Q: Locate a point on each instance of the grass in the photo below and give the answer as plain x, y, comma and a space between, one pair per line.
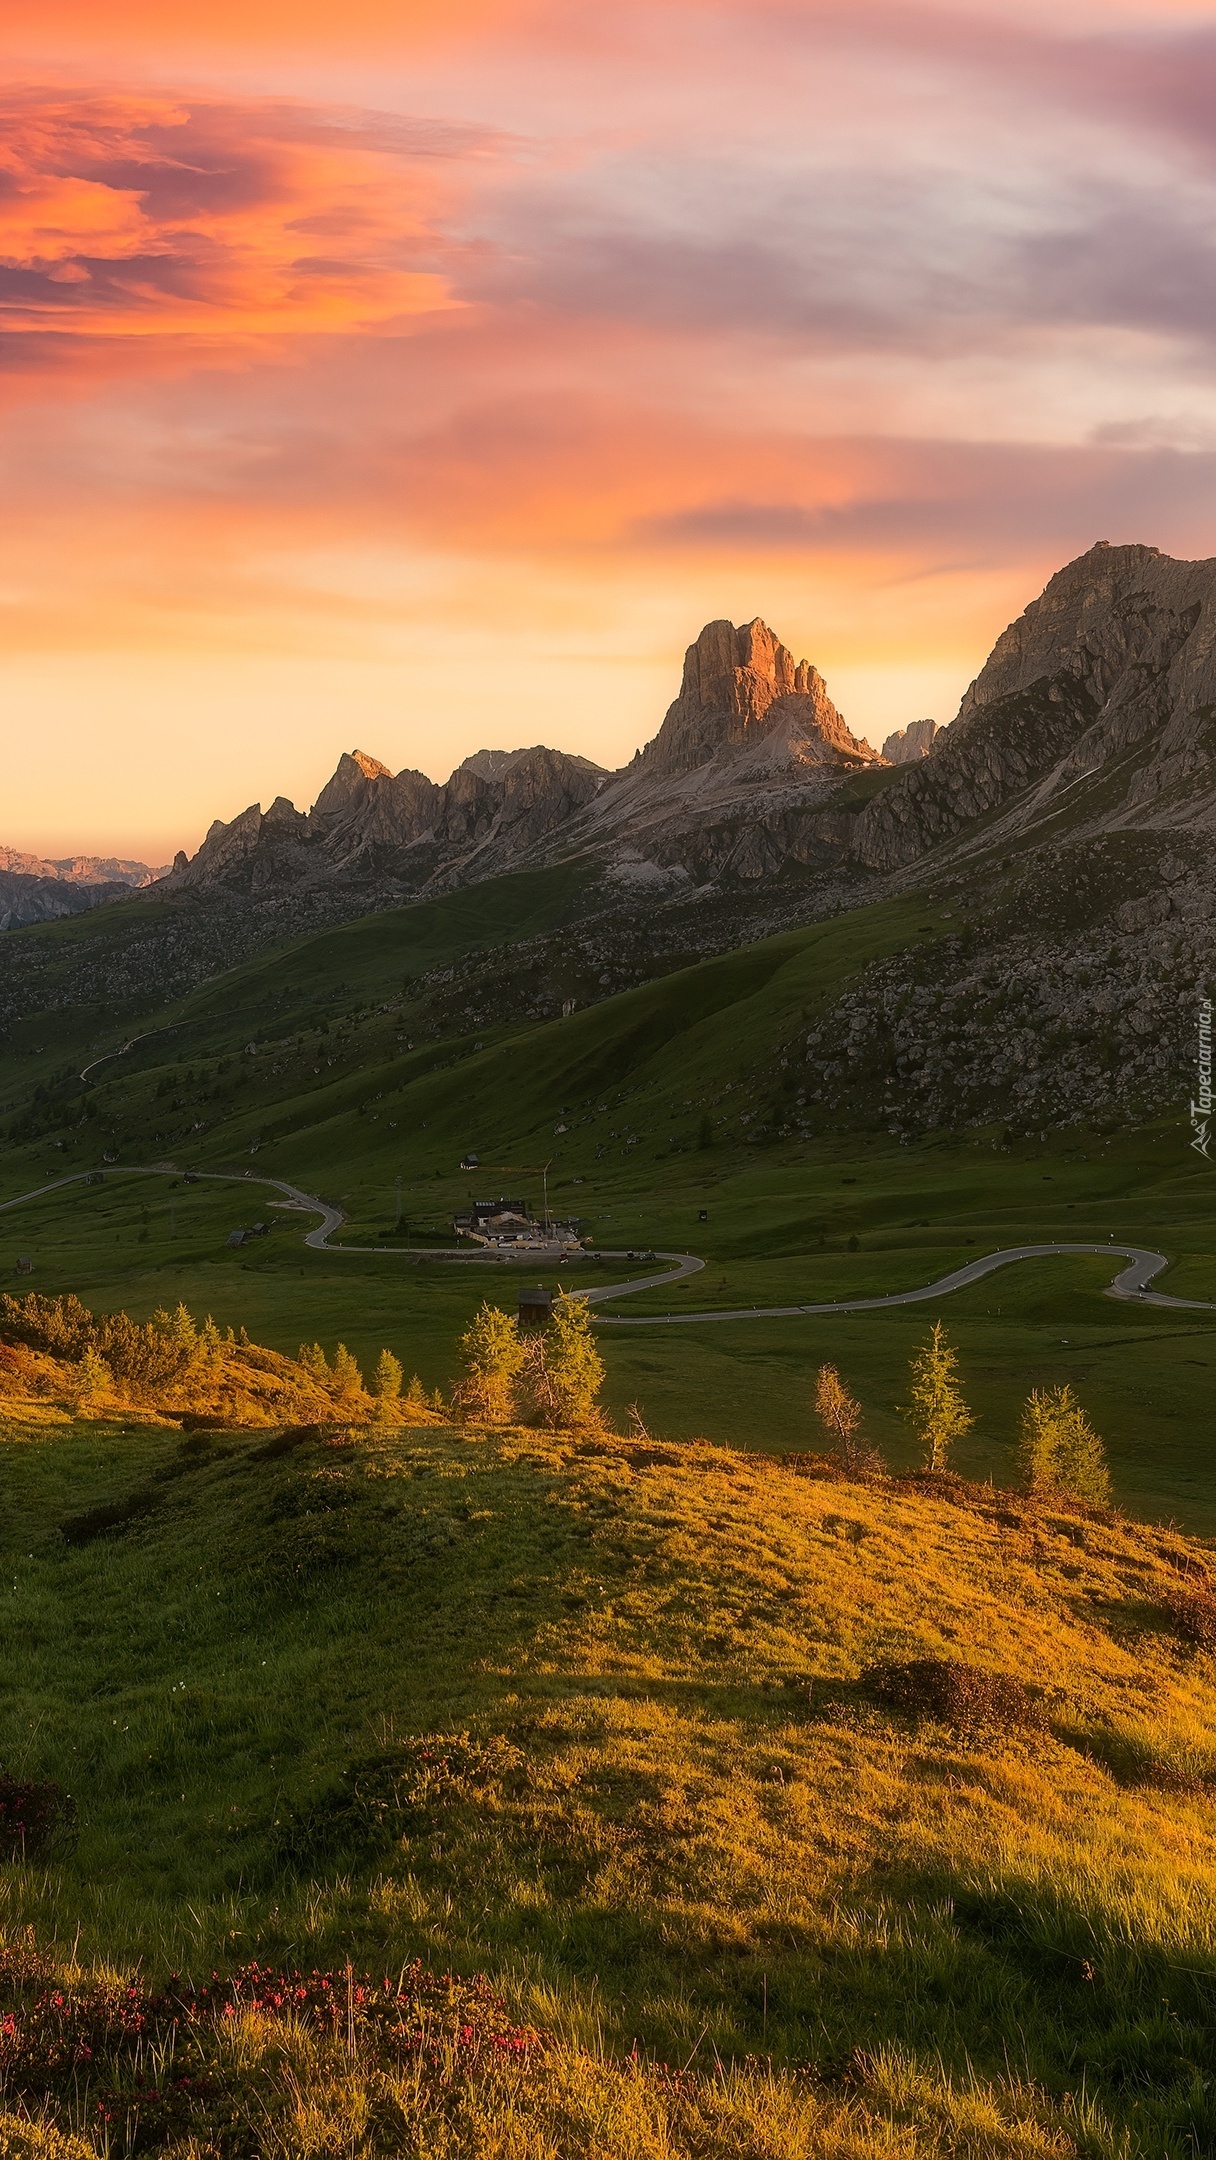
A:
686, 1828
1143, 1374
616, 1099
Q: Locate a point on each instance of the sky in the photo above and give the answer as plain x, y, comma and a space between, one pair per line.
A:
420, 375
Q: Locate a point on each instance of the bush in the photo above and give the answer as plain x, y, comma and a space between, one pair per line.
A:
1193, 1612
945, 1691
399, 1792
33, 1816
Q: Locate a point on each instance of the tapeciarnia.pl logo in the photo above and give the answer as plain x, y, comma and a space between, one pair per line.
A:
1201, 1106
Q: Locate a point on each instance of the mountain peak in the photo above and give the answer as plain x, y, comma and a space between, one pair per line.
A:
355, 772
742, 685
370, 767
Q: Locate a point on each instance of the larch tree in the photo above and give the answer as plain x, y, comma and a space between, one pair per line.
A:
493, 1353
840, 1416
386, 1387
346, 1378
565, 1370
1037, 1437
936, 1406
1059, 1451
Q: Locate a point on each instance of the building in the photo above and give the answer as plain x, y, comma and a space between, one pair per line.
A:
535, 1307
509, 1226
494, 1219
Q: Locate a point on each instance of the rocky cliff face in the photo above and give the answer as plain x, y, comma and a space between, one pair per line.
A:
752, 745
392, 834
908, 745
742, 690
1095, 711
25, 900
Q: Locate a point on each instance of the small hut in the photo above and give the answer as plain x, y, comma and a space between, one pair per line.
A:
535, 1307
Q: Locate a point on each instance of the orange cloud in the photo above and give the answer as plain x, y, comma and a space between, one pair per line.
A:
142, 216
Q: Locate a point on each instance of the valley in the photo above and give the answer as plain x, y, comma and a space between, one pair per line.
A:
665, 1781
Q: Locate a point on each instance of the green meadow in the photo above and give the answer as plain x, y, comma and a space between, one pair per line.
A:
812, 1223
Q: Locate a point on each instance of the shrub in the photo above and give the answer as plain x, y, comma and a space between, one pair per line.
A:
401, 1791
110, 2045
1193, 1612
33, 1816
945, 1691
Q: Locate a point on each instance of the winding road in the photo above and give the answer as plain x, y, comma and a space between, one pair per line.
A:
1131, 1282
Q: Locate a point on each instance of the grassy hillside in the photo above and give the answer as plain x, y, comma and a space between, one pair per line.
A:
780, 1228
606, 1723
675, 1099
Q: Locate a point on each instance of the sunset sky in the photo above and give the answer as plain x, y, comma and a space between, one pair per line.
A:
422, 374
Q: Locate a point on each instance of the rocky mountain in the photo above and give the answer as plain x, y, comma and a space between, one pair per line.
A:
1068, 817
1094, 713
390, 836
746, 702
909, 744
1061, 827
34, 899
79, 869
752, 738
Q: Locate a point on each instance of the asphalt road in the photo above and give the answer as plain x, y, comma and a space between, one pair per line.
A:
1130, 1282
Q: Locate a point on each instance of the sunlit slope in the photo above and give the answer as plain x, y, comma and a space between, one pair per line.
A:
679, 1813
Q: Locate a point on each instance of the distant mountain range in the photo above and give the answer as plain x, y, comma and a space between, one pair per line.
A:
80, 869
752, 734
753, 776
35, 888
1064, 821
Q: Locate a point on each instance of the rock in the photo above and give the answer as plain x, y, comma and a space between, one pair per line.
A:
740, 687
91, 870
25, 900
910, 744
1116, 661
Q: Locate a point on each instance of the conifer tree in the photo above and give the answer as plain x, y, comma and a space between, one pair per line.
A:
386, 1387
92, 1380
346, 1378
415, 1394
389, 1377
1059, 1451
839, 1415
565, 1370
493, 1357
1037, 1442
1082, 1457
936, 1407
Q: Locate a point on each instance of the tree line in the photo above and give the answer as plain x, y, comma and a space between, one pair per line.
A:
1058, 1449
